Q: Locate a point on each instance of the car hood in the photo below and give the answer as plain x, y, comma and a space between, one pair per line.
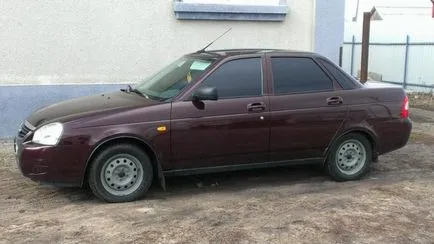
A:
79, 107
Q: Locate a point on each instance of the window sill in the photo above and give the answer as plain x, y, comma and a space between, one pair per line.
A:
193, 11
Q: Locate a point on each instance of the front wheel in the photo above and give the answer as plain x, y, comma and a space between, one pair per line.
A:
120, 173
349, 158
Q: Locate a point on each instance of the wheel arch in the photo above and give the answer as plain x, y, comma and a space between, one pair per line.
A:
157, 169
371, 136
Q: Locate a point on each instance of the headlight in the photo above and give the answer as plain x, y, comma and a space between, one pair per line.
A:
48, 134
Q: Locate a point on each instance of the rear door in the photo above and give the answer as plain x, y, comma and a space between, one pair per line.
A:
232, 130
305, 106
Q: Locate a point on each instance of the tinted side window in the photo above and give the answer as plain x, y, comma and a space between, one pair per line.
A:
237, 78
340, 77
292, 75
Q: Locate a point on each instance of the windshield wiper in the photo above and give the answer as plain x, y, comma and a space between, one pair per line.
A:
134, 90
142, 94
139, 93
128, 90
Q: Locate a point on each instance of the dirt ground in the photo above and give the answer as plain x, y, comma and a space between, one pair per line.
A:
422, 100
394, 203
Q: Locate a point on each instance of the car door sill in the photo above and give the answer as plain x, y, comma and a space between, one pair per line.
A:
236, 167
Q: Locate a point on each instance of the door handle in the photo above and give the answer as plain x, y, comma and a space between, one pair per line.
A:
256, 107
335, 100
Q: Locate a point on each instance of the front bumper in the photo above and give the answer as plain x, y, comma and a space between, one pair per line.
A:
57, 165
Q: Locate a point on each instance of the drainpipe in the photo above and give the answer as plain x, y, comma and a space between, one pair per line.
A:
357, 11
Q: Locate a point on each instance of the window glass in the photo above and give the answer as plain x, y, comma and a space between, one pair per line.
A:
237, 78
293, 75
171, 80
339, 75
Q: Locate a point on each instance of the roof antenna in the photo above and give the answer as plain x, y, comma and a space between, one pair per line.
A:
203, 49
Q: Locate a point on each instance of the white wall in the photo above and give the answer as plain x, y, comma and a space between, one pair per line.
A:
50, 42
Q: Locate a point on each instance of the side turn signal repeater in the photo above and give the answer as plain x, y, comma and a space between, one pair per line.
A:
162, 128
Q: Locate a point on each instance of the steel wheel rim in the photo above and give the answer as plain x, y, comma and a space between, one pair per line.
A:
121, 174
351, 157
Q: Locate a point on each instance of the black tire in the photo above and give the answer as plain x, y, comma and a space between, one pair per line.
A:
336, 169
142, 167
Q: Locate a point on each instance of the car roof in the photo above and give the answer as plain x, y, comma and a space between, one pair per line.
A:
222, 53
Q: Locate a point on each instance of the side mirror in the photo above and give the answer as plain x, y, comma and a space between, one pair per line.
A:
205, 93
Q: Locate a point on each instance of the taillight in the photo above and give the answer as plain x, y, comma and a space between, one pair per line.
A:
404, 108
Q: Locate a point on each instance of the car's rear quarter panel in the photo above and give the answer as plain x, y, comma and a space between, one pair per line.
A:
376, 111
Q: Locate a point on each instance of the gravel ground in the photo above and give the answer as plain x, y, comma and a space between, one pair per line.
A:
394, 203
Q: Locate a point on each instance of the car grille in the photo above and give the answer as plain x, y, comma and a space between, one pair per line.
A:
24, 130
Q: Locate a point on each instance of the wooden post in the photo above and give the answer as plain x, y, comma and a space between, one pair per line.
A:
365, 47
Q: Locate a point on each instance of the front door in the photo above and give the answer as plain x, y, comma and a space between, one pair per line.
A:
231, 130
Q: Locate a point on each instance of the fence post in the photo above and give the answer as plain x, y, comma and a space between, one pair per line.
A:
353, 41
407, 44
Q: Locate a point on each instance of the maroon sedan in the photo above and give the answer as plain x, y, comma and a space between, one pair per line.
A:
215, 111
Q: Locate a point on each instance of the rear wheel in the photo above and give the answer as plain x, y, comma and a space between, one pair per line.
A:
349, 157
120, 173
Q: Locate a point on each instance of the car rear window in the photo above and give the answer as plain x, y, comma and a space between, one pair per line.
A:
339, 75
298, 75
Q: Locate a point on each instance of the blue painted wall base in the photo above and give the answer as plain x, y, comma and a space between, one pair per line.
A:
17, 102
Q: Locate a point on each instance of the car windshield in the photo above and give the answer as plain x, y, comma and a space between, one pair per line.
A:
171, 80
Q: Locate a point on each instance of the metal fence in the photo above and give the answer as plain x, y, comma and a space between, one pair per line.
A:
406, 63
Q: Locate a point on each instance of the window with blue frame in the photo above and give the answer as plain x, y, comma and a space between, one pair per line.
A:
241, 10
